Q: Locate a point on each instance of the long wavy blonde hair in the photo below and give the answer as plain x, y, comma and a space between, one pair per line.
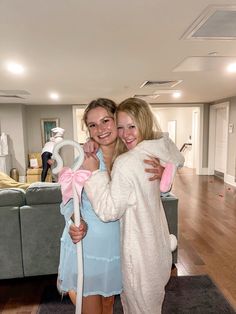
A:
140, 111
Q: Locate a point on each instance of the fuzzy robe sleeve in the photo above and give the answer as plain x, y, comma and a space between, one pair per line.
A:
164, 149
110, 199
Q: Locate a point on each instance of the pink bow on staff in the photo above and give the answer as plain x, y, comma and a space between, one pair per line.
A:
68, 178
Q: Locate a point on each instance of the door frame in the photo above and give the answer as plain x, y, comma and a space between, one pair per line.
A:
195, 139
212, 134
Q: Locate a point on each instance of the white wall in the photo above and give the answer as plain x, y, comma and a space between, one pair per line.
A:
12, 122
34, 114
183, 117
22, 125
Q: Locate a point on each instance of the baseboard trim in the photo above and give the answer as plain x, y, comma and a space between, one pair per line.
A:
229, 180
203, 172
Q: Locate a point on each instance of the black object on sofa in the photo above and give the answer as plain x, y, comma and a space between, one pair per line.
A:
31, 227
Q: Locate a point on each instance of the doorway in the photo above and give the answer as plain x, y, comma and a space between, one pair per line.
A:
188, 127
218, 139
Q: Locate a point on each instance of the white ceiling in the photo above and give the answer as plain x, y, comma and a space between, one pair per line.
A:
107, 48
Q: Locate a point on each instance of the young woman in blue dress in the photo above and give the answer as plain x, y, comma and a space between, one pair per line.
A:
101, 245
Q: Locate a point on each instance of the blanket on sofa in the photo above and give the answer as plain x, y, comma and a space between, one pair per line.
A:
7, 182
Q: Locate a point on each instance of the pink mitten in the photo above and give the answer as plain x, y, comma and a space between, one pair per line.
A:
167, 177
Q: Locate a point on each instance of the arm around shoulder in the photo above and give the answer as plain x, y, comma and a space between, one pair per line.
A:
109, 198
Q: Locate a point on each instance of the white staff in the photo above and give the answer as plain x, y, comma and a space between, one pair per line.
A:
78, 162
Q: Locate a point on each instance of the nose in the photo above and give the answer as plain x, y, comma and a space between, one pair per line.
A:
126, 133
101, 127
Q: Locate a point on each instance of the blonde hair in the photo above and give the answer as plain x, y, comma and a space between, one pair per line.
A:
140, 111
108, 104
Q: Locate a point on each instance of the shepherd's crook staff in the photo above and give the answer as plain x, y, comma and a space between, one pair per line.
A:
72, 181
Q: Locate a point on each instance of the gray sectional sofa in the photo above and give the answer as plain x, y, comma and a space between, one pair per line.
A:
31, 226
30, 229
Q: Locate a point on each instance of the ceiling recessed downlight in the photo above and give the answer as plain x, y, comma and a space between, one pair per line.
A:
54, 96
176, 94
231, 67
15, 68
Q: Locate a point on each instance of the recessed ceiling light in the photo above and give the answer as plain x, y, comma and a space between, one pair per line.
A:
15, 68
54, 96
176, 94
231, 67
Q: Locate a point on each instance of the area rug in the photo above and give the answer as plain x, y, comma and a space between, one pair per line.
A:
184, 295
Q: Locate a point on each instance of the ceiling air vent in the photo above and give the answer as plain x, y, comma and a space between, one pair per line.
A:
162, 84
216, 22
152, 96
204, 63
11, 96
8, 93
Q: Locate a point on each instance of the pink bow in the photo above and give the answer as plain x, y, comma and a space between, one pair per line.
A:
68, 178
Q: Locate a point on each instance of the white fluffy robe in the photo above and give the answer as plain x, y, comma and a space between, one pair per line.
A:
145, 241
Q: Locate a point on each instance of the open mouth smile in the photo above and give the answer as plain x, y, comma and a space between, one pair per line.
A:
105, 135
129, 142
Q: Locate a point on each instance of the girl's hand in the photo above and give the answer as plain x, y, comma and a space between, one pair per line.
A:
91, 163
90, 147
156, 168
78, 233
50, 161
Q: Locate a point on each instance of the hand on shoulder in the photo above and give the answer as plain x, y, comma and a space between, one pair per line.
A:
90, 147
155, 168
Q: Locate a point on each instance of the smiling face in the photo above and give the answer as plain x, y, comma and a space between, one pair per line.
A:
128, 131
101, 126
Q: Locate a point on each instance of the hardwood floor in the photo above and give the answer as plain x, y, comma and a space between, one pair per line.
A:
207, 229
207, 242
22, 296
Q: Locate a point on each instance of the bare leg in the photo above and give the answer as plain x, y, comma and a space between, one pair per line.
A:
107, 304
92, 304
72, 295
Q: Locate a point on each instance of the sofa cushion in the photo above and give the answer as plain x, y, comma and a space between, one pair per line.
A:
10, 241
41, 228
12, 197
43, 193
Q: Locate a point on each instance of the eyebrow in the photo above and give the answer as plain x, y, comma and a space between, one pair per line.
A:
127, 124
101, 119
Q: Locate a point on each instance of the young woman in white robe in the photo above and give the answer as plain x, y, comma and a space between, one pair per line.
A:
128, 195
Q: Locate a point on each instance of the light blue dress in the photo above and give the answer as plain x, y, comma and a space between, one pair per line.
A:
101, 252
